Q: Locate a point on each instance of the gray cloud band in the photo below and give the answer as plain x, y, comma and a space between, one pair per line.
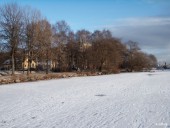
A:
152, 34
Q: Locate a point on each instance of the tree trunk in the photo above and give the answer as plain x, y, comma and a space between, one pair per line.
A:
28, 67
101, 66
29, 63
47, 62
13, 63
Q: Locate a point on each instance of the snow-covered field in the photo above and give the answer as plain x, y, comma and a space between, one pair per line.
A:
129, 100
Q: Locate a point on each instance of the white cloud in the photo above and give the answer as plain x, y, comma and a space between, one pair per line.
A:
152, 34
147, 21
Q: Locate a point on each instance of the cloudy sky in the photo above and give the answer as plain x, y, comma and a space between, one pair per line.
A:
144, 21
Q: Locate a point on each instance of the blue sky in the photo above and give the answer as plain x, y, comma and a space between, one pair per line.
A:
144, 21
92, 14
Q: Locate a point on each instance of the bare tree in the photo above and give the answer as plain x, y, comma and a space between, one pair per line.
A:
153, 61
31, 19
61, 31
104, 34
72, 50
133, 48
4, 54
107, 54
11, 28
83, 38
44, 41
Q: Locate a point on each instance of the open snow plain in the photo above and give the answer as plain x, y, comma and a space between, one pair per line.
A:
129, 100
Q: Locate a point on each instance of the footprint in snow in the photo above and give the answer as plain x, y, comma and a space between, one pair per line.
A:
151, 74
100, 95
3, 121
33, 117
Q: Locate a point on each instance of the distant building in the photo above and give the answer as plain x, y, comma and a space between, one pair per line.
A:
19, 65
85, 46
25, 65
7, 65
42, 65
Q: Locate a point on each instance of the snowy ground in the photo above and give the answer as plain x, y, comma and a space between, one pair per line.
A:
136, 100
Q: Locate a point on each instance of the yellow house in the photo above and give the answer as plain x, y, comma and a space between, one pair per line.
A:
85, 46
25, 64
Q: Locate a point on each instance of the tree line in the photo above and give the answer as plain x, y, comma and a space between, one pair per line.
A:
24, 32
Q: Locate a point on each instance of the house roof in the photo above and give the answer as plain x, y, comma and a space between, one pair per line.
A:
6, 62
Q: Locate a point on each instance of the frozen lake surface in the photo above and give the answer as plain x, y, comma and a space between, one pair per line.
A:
129, 100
